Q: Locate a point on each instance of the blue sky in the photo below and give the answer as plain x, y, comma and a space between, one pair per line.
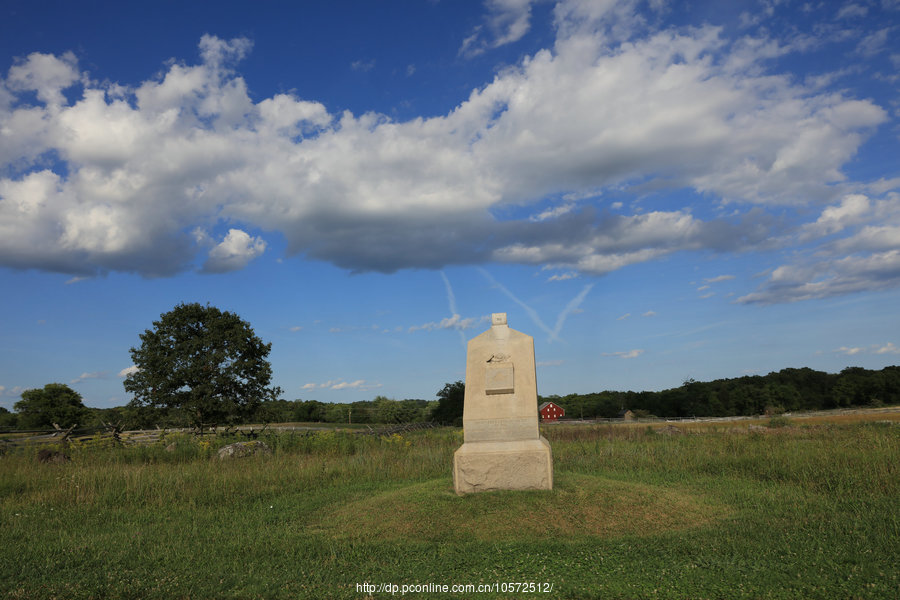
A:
653, 190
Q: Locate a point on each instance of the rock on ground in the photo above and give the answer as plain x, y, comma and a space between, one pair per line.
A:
670, 430
242, 449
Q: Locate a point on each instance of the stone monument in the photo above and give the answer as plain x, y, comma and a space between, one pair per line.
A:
502, 445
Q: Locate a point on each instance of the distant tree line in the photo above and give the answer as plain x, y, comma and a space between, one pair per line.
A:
59, 404
202, 366
785, 391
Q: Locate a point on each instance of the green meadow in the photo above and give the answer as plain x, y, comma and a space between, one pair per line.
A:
787, 511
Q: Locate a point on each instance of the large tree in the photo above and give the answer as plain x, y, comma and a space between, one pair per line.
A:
54, 403
203, 363
449, 410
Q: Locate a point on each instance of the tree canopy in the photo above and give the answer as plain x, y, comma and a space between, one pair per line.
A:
54, 403
203, 363
450, 404
8, 419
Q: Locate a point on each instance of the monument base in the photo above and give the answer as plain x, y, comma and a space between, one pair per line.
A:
517, 465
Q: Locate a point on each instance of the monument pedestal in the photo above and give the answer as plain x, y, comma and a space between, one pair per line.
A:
503, 448
516, 465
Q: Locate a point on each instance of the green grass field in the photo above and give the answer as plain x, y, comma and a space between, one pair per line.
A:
798, 511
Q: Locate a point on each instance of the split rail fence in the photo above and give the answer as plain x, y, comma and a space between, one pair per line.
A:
113, 433
17, 439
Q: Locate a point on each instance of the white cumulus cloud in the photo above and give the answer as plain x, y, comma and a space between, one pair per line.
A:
614, 103
506, 22
13, 392
46, 75
888, 348
453, 322
625, 353
234, 252
718, 278
129, 371
340, 384
85, 376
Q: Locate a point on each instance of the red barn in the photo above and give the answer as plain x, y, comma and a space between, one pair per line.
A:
551, 411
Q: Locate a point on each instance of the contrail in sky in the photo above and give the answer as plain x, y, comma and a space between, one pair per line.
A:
571, 307
451, 300
531, 312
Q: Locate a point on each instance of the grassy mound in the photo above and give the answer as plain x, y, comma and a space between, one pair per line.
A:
580, 505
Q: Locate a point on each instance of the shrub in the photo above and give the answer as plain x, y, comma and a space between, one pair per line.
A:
779, 421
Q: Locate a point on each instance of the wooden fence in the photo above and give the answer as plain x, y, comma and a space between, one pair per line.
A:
113, 433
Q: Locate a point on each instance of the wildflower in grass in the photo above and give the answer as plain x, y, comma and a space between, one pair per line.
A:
397, 439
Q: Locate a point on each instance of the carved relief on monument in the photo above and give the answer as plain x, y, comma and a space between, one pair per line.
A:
499, 378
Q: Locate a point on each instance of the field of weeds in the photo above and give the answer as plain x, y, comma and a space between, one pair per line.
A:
787, 511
